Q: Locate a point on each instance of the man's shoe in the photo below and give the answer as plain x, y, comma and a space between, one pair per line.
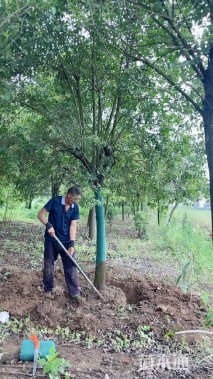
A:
78, 299
48, 295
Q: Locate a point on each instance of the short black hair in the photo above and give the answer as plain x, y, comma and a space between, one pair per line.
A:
75, 191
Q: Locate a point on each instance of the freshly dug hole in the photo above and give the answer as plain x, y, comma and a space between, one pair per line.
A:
155, 303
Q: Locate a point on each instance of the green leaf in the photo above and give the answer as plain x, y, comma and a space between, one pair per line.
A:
55, 365
53, 10
42, 361
47, 368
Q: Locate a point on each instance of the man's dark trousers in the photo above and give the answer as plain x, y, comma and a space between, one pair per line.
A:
51, 251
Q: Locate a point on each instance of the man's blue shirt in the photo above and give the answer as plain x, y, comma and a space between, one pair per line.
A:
60, 218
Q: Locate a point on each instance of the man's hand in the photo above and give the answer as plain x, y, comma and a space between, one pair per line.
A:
50, 229
71, 250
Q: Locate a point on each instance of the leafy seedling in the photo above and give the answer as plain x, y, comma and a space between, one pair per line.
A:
209, 318
54, 366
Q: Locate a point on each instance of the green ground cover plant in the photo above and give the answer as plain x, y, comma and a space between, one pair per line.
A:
54, 366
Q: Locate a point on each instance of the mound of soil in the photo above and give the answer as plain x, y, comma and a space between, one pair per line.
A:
151, 302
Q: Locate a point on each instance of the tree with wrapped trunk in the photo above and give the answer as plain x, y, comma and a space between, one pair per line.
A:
83, 96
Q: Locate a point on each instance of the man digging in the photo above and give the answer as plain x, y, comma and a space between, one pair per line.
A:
63, 214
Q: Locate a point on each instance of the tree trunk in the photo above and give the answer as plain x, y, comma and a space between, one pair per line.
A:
133, 207
123, 213
208, 123
92, 224
172, 212
106, 205
5, 210
137, 202
55, 189
158, 214
209, 151
101, 242
30, 203
208, 127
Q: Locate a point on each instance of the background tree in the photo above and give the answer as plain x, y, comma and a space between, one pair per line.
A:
173, 40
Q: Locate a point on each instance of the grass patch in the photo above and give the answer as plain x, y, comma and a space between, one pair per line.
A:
182, 242
183, 245
20, 212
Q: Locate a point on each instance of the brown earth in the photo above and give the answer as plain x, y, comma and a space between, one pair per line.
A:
130, 302
156, 303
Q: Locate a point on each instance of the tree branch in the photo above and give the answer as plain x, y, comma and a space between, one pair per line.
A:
183, 46
71, 89
17, 12
62, 146
111, 113
187, 50
149, 9
16, 115
154, 67
39, 112
81, 109
120, 133
116, 120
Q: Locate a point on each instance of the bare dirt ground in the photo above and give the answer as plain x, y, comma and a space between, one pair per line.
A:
127, 334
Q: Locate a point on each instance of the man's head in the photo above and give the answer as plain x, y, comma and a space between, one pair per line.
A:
73, 195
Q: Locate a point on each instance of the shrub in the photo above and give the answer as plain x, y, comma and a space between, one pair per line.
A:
141, 223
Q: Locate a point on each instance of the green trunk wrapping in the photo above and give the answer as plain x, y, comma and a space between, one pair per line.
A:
101, 242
